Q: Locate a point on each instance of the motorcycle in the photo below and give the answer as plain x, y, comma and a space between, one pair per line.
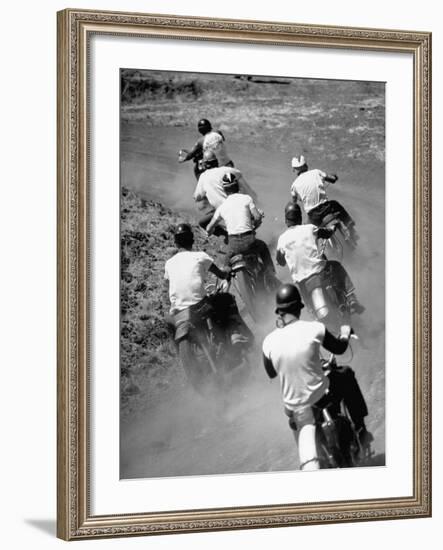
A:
203, 340
342, 242
337, 442
325, 300
252, 283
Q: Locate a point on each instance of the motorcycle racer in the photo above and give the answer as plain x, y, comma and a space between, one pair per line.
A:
241, 217
292, 352
298, 249
187, 272
210, 192
309, 187
212, 141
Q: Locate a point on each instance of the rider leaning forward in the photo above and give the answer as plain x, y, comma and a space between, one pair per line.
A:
241, 217
210, 191
309, 187
211, 141
187, 272
292, 352
298, 249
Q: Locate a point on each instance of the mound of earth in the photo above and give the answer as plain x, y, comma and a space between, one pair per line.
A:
148, 360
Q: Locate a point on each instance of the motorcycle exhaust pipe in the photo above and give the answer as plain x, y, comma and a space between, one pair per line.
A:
320, 306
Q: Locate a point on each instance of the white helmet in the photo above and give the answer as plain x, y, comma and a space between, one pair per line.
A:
298, 162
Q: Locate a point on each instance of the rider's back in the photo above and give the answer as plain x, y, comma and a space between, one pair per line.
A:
186, 272
299, 246
214, 142
295, 354
236, 213
309, 186
210, 184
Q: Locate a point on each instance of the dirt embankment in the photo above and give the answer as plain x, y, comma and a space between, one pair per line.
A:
147, 359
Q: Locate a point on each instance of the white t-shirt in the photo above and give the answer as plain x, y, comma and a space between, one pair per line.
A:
295, 354
214, 142
187, 272
298, 244
210, 185
236, 212
309, 186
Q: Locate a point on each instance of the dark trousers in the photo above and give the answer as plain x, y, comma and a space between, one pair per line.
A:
317, 214
337, 275
333, 274
343, 386
246, 242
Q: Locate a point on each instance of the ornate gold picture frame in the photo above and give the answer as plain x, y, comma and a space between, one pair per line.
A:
74, 516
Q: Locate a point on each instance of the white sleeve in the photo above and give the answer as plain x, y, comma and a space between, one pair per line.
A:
166, 276
217, 214
320, 331
199, 192
250, 203
266, 348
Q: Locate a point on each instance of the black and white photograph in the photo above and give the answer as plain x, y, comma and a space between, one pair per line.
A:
252, 274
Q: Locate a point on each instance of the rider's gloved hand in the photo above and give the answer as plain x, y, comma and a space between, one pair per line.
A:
345, 332
182, 155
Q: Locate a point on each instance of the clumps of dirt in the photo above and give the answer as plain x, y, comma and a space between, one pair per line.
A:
138, 86
148, 360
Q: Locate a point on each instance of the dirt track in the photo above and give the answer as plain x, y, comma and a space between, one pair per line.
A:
247, 431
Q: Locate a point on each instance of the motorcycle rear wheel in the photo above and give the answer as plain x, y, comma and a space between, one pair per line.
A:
196, 365
247, 289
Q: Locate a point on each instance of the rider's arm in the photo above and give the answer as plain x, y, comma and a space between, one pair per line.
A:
281, 259
331, 178
255, 213
269, 367
195, 151
220, 273
211, 225
294, 194
336, 345
199, 193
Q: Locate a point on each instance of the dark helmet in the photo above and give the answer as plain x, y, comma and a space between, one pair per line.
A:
293, 213
230, 182
288, 299
183, 235
204, 126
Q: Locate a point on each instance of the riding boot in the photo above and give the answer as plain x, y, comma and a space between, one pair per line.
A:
354, 305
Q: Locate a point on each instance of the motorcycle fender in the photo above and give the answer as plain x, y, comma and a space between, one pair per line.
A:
183, 325
182, 330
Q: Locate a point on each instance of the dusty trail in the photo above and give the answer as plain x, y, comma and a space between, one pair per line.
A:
247, 431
